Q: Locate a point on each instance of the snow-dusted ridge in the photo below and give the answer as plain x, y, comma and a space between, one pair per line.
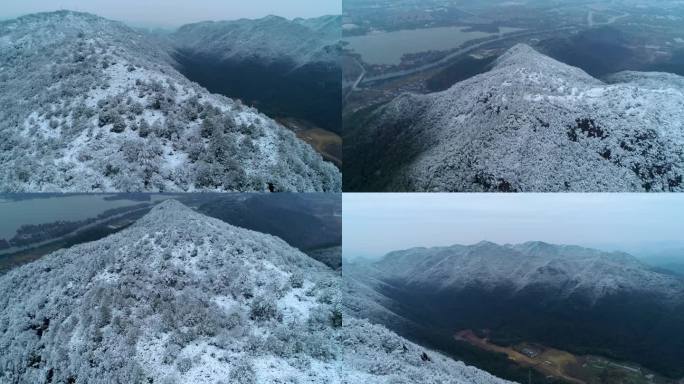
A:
179, 297
89, 104
529, 124
565, 270
269, 39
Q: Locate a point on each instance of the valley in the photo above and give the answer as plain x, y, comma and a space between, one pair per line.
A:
536, 294
569, 368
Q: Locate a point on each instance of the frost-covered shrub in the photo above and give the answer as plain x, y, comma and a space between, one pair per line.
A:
264, 308
243, 373
319, 347
184, 365
297, 279
77, 85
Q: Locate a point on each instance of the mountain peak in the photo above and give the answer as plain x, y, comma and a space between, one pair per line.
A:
486, 244
586, 135
64, 17
171, 205
519, 53
273, 18
524, 57
170, 212
190, 286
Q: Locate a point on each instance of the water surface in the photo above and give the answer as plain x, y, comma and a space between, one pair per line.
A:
388, 47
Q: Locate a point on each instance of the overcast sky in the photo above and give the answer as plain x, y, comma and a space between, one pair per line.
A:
375, 224
170, 13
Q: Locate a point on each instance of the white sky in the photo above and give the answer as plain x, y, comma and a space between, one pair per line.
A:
374, 224
172, 13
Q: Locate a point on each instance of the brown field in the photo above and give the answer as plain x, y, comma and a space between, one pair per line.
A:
324, 142
327, 143
565, 365
550, 362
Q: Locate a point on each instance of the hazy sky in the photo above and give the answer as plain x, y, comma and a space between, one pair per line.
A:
375, 224
166, 13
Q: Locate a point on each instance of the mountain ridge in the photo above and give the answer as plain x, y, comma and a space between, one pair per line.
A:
90, 104
569, 269
299, 40
531, 123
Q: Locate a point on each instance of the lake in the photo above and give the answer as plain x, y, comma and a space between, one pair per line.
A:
388, 47
15, 213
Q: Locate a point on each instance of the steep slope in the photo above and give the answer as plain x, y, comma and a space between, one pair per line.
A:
182, 298
572, 298
288, 68
529, 124
373, 354
179, 297
89, 104
310, 222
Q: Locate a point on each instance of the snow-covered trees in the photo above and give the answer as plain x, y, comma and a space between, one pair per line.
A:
529, 124
263, 308
175, 293
243, 373
63, 95
179, 297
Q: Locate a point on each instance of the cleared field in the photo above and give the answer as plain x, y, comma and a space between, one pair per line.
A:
565, 365
324, 142
327, 143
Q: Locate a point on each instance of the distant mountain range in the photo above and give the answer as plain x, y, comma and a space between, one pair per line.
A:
569, 297
570, 271
269, 39
287, 68
89, 104
531, 123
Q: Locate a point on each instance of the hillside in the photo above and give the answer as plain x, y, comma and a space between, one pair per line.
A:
529, 124
288, 69
269, 39
180, 297
90, 104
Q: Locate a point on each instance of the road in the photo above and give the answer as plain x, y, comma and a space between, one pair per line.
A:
591, 23
356, 83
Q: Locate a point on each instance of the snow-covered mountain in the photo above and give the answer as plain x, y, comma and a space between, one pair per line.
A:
564, 270
269, 39
179, 297
572, 298
289, 69
529, 124
88, 104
